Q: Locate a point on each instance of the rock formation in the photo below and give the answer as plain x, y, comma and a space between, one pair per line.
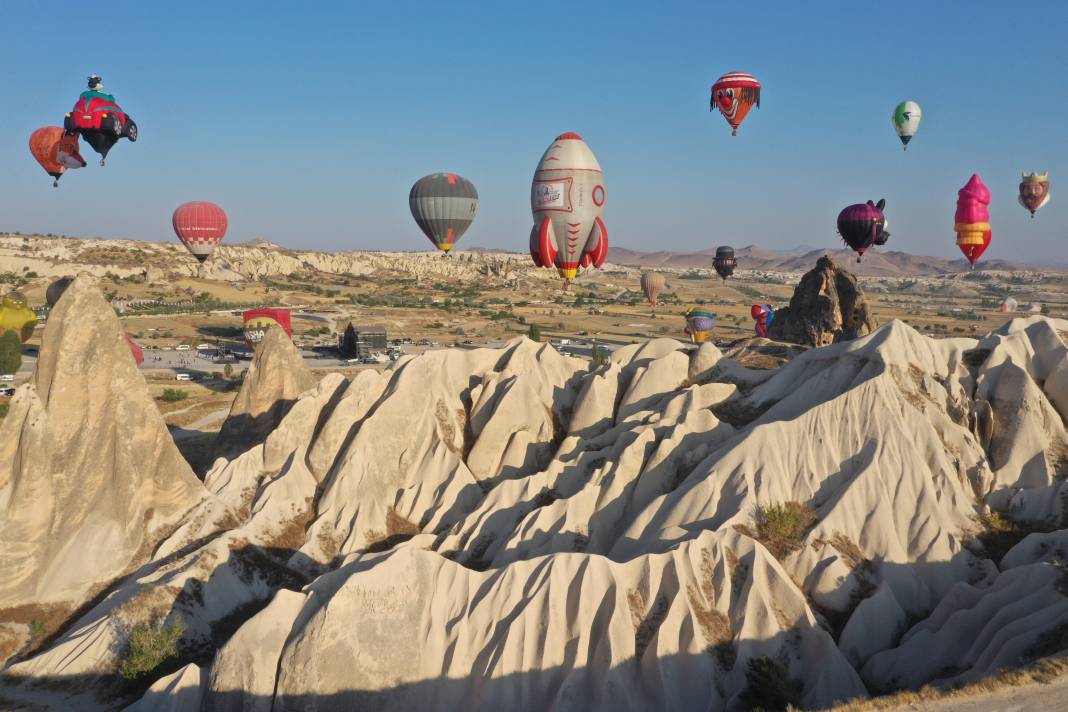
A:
513, 528
828, 306
90, 479
274, 380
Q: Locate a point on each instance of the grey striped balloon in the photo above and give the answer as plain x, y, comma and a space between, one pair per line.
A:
443, 205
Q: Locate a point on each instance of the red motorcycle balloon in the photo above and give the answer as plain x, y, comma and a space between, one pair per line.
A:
200, 226
734, 94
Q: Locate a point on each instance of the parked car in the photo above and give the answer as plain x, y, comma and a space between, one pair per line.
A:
7, 391
7, 378
183, 377
182, 347
204, 347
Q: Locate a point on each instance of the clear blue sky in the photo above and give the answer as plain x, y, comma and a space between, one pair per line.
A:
309, 121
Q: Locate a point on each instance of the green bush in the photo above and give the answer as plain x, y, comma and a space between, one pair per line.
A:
10, 352
4, 408
173, 395
149, 646
599, 356
769, 686
534, 332
781, 527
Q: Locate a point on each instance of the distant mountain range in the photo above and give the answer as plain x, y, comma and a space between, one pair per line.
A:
803, 258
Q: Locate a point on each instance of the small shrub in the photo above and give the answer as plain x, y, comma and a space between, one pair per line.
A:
781, 527
173, 395
149, 646
769, 686
598, 356
4, 408
534, 332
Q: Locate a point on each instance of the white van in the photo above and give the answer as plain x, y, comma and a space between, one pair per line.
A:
183, 377
182, 347
7, 378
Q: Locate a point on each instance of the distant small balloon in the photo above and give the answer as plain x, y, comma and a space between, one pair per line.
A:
699, 325
444, 205
201, 226
1034, 191
906, 120
653, 284
724, 262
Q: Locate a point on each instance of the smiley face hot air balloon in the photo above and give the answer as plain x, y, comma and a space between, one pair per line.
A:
16, 315
1034, 191
863, 225
972, 219
653, 284
724, 262
699, 325
443, 205
55, 151
567, 199
734, 94
906, 120
200, 226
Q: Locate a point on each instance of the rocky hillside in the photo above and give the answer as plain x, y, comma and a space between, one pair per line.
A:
876, 262
514, 529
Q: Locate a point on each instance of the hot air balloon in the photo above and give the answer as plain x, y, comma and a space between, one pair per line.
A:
906, 120
16, 316
734, 94
652, 284
972, 220
99, 119
55, 151
135, 351
762, 314
1034, 191
56, 289
699, 325
724, 261
200, 226
257, 321
567, 199
443, 205
862, 225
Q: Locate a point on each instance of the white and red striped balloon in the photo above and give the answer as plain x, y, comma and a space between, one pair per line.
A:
200, 226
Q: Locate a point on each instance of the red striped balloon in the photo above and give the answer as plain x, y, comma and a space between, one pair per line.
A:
200, 226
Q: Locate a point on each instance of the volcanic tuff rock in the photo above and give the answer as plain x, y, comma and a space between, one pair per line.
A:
492, 528
90, 479
274, 380
827, 306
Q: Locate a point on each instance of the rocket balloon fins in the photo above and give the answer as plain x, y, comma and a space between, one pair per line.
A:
597, 246
546, 243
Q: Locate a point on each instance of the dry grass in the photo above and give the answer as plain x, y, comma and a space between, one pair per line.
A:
781, 528
398, 529
646, 623
1042, 672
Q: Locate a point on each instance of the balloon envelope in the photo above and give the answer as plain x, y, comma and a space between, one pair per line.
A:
16, 315
200, 226
699, 324
56, 289
1034, 191
55, 151
734, 94
257, 321
444, 206
653, 284
906, 120
724, 262
860, 226
971, 222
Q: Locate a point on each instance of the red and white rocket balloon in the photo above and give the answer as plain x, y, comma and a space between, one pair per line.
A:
567, 199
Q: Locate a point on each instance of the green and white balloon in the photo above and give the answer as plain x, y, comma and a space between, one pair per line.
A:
906, 121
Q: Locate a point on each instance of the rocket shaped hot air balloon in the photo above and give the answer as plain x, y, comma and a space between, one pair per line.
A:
1034, 191
567, 200
699, 325
972, 220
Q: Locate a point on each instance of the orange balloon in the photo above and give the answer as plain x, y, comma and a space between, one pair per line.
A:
55, 151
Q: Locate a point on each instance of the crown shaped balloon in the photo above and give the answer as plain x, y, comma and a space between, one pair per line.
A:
1035, 177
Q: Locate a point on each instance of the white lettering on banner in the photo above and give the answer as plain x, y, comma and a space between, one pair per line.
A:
549, 195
